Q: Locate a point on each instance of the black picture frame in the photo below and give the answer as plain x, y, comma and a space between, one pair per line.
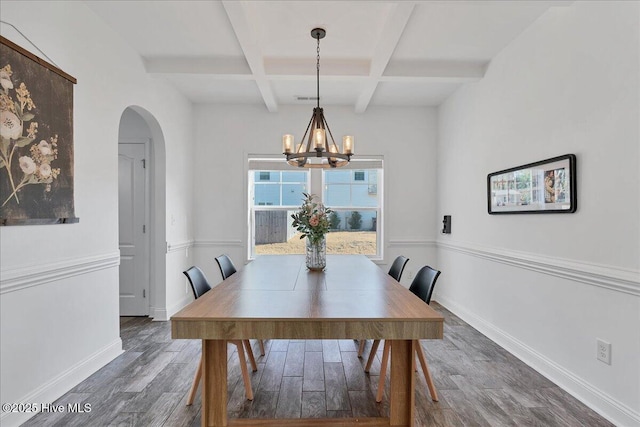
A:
547, 186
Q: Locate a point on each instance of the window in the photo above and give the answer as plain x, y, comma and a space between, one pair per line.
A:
357, 210
276, 191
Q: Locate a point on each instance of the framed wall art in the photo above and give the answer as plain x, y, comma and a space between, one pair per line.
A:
36, 139
547, 186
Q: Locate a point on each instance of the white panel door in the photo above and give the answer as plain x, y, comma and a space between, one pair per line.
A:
134, 247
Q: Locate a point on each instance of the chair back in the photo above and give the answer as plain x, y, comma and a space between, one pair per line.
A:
199, 283
226, 266
424, 282
398, 267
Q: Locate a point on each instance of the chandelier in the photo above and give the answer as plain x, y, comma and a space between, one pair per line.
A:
320, 151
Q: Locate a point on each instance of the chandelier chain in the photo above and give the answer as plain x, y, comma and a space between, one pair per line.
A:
318, 71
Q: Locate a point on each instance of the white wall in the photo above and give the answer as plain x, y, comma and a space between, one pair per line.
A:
59, 288
225, 135
546, 286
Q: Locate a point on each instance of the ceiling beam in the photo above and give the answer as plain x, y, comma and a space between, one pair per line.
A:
242, 25
236, 68
387, 43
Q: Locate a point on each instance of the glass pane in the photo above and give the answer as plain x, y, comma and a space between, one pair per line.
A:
266, 176
361, 196
337, 177
300, 177
267, 195
337, 195
353, 232
275, 188
292, 194
273, 233
341, 190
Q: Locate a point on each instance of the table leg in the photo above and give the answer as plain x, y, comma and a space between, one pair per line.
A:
402, 393
214, 383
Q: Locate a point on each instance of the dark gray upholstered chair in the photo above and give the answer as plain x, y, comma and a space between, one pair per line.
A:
396, 272
227, 269
398, 267
200, 286
226, 266
422, 286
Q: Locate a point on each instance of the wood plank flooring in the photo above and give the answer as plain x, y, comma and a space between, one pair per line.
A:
478, 382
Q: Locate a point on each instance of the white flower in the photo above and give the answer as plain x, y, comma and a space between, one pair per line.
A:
5, 80
10, 125
45, 170
27, 165
45, 148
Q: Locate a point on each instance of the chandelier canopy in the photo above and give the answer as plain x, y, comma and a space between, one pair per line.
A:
319, 151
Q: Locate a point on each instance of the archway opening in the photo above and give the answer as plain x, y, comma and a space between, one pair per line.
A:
142, 156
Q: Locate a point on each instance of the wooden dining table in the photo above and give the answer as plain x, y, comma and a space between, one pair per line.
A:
276, 297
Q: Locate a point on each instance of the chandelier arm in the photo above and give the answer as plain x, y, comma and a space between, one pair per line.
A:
314, 124
306, 132
326, 142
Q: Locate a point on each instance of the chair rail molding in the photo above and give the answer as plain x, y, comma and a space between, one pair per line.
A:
180, 245
411, 242
23, 277
218, 243
608, 277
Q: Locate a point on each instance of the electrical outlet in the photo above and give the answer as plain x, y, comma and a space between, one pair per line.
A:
604, 351
410, 274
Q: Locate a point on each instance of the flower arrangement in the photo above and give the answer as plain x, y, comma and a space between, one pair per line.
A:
35, 165
312, 220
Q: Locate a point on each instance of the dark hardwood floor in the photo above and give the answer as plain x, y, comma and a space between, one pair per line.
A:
479, 384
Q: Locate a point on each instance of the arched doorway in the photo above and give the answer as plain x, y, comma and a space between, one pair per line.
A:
141, 163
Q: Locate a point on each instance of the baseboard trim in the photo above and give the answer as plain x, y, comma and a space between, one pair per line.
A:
176, 307
608, 277
62, 383
603, 404
36, 275
158, 314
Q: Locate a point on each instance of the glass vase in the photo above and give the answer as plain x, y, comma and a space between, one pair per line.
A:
316, 254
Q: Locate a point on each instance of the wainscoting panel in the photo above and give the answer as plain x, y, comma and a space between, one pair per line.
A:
594, 300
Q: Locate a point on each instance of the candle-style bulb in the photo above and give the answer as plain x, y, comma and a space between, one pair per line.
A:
347, 144
318, 138
287, 143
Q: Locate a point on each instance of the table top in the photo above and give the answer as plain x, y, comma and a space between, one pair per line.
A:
275, 296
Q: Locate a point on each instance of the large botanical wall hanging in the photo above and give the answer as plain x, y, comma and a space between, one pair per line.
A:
36, 139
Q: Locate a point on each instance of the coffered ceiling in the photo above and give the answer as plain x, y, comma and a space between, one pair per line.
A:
391, 53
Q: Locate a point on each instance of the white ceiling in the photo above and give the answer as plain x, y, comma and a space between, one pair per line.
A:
375, 52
